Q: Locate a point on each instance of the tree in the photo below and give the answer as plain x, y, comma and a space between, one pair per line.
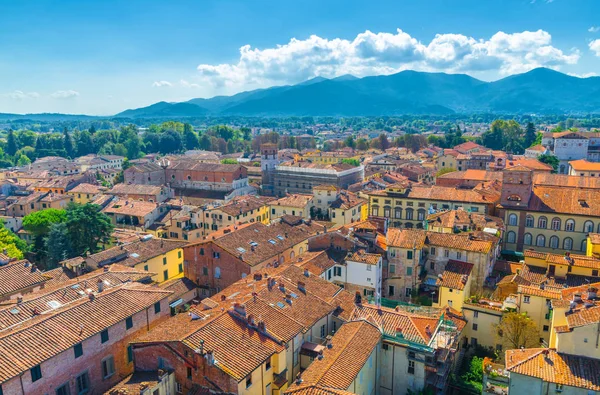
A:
11, 243
205, 142
57, 244
351, 161
349, 142
85, 144
92, 129
68, 144
190, 138
39, 222
384, 143
530, 135
23, 160
516, 330
133, 145
11, 143
444, 170
549, 160
229, 161
362, 144
169, 142
87, 227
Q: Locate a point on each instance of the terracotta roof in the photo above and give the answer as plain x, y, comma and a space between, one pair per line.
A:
439, 193
584, 165
86, 188
538, 147
135, 383
332, 188
316, 390
554, 367
459, 218
293, 200
417, 238
535, 290
133, 253
244, 204
363, 257
135, 189
19, 275
186, 164
47, 335
351, 347
467, 146
257, 243
577, 201
135, 208
565, 181
455, 275
406, 238
347, 200
317, 262
584, 316
574, 259
179, 287
529, 163
594, 238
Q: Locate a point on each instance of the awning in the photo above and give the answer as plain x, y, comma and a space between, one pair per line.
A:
176, 303
512, 253
430, 281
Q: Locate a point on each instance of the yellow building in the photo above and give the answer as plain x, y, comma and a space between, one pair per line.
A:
584, 168
327, 158
454, 285
482, 317
84, 193
447, 160
240, 210
348, 208
295, 204
408, 206
163, 257
537, 303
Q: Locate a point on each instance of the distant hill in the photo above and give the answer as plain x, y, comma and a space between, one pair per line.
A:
539, 91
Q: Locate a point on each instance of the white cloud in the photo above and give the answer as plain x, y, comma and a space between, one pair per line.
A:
583, 75
594, 29
159, 84
65, 94
385, 53
187, 84
595, 46
20, 95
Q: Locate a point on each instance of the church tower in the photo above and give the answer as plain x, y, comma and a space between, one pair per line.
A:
269, 159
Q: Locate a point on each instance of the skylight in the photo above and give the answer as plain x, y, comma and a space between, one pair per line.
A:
15, 311
135, 255
272, 241
281, 305
242, 250
54, 304
253, 244
280, 237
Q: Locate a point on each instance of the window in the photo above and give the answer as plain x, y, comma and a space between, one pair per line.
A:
476, 314
108, 367
392, 268
201, 251
166, 275
146, 268
568, 243
527, 239
329, 274
78, 349
555, 224
63, 389
409, 213
408, 292
511, 237
129, 323
409, 255
459, 255
446, 253
542, 222
512, 219
249, 382
369, 268
570, 225
104, 336
179, 388
432, 251
391, 290
217, 272
129, 354
588, 227
546, 328
337, 271
540, 241
189, 373
398, 212
322, 331
83, 383
36, 373
181, 268
529, 221
409, 271
411, 367
268, 365
554, 242
474, 327
526, 299
156, 307
164, 260
595, 273
432, 265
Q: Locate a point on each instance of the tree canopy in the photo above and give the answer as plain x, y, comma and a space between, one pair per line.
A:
517, 330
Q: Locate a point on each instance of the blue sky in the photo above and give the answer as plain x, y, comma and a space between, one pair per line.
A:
101, 57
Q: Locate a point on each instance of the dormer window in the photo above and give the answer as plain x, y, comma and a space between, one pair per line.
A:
514, 198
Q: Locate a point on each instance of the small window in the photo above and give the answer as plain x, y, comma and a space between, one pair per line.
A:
476, 314
409, 255
36, 373
129, 323
63, 390
249, 382
156, 307
411, 367
83, 383
189, 373
526, 299
179, 254
166, 275
164, 260
546, 328
104, 336
129, 353
78, 349
268, 365
474, 327
181, 268
108, 367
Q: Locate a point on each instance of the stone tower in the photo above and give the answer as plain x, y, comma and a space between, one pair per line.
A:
269, 159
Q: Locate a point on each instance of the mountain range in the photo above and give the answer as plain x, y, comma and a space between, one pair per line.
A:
539, 91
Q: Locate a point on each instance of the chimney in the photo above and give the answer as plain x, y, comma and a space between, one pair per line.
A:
251, 320
306, 273
210, 358
282, 286
592, 292
100, 285
240, 309
91, 296
105, 268
428, 330
301, 286
577, 297
257, 276
19, 299
223, 298
399, 333
328, 341
262, 327
358, 298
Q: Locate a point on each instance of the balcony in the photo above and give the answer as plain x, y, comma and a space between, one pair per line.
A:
280, 379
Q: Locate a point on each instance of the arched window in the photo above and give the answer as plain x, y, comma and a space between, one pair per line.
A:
409, 225
301, 250
512, 219
387, 211
409, 213
421, 214
201, 251
529, 221
588, 227
542, 222
244, 275
527, 239
570, 225
540, 241
554, 242
568, 244
420, 225
555, 223
584, 245
511, 237
292, 255
217, 272
375, 211
398, 212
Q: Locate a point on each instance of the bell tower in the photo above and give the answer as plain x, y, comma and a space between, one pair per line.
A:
269, 159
